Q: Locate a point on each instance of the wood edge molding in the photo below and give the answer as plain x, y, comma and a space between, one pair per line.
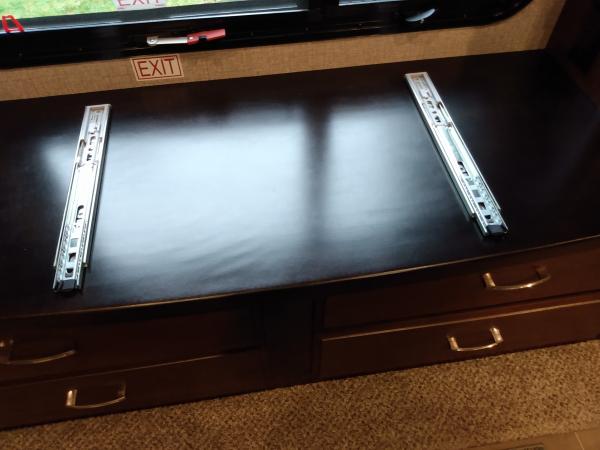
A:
529, 29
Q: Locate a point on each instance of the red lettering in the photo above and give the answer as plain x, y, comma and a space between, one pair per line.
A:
141, 2
155, 68
142, 69
162, 67
170, 60
123, 3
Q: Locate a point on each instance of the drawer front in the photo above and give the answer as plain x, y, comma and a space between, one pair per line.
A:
120, 391
452, 340
30, 353
485, 283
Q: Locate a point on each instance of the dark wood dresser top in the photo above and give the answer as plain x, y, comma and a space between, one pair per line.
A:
238, 185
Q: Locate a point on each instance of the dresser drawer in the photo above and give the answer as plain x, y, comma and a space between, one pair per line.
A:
108, 343
137, 388
451, 338
564, 270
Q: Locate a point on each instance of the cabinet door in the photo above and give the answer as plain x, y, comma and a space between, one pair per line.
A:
131, 389
29, 353
447, 339
566, 270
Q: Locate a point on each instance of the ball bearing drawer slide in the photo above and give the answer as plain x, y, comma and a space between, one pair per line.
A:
74, 244
470, 184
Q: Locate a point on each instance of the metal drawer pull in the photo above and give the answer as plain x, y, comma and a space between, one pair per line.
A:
498, 339
26, 362
72, 400
542, 273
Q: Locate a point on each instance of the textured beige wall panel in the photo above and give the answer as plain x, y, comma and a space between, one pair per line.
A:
527, 30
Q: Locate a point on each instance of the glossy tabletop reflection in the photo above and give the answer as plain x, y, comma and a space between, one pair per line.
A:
237, 185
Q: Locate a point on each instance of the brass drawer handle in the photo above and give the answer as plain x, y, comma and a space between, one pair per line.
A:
498, 339
26, 362
72, 400
542, 273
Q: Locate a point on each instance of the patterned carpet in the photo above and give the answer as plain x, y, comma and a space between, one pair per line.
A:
447, 406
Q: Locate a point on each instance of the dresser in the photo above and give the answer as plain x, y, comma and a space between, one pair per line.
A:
270, 231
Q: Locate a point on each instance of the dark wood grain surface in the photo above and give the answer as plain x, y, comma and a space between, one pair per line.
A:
230, 186
193, 379
416, 344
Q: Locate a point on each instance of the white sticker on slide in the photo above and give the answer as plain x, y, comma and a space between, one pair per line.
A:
139, 4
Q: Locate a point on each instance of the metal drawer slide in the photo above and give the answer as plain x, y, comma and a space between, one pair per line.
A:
472, 187
74, 243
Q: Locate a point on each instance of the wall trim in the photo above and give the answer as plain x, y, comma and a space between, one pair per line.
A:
530, 29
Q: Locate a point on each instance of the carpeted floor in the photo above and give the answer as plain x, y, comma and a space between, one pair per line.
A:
439, 407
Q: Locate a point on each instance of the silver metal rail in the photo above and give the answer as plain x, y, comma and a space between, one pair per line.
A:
470, 184
74, 244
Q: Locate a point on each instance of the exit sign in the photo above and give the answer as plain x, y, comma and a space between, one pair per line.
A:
139, 4
156, 68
